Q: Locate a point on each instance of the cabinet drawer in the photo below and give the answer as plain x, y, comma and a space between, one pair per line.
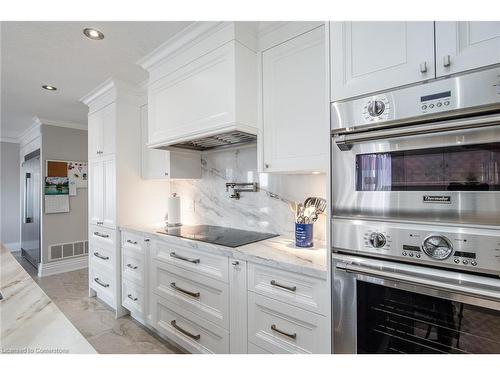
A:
103, 236
133, 266
254, 349
280, 328
103, 256
102, 282
187, 329
133, 297
199, 294
201, 262
133, 241
299, 290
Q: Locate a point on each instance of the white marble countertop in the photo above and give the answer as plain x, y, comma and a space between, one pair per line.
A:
278, 252
30, 322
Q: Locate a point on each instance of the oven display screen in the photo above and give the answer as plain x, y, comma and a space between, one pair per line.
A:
439, 95
464, 254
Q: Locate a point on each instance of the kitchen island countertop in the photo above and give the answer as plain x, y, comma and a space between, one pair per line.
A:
30, 322
278, 252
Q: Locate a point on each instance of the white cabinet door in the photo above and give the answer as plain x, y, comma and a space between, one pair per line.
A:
94, 134
162, 164
108, 115
194, 98
373, 56
109, 192
463, 46
96, 178
238, 338
295, 121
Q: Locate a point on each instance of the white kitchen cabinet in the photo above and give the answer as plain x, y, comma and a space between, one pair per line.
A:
102, 192
372, 56
466, 45
101, 128
117, 192
205, 86
294, 99
238, 338
162, 164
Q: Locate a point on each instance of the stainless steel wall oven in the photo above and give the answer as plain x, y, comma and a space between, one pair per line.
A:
416, 218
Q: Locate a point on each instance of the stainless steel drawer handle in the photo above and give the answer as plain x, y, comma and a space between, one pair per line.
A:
132, 297
276, 329
101, 283
191, 260
131, 266
182, 330
291, 288
99, 222
192, 294
100, 256
132, 242
101, 235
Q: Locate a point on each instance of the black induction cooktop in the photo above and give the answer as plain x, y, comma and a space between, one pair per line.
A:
223, 236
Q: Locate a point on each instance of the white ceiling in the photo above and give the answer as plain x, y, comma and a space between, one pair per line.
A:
58, 54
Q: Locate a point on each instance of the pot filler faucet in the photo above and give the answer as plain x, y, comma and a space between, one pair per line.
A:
235, 188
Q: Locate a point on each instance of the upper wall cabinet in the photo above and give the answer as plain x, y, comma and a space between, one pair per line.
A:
294, 96
162, 164
463, 46
101, 130
202, 83
373, 56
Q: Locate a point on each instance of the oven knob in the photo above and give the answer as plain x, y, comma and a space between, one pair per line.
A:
473, 263
437, 247
456, 260
377, 240
376, 108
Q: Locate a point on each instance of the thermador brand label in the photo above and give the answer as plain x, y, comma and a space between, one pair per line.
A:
446, 199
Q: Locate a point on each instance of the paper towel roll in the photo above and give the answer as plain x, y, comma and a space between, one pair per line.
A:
174, 210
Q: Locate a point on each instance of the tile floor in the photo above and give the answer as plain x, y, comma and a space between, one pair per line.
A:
93, 319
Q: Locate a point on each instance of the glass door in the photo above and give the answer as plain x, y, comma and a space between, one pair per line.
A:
391, 320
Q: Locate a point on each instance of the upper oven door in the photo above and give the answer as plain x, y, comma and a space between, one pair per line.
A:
443, 171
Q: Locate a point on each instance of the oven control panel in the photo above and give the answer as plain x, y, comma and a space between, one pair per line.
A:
377, 108
436, 102
472, 249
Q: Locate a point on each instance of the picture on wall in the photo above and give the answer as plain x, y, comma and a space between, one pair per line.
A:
56, 186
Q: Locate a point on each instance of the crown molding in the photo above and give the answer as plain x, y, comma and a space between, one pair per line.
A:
185, 38
64, 124
32, 132
110, 89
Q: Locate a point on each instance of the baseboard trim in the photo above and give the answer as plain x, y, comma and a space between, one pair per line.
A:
13, 246
61, 266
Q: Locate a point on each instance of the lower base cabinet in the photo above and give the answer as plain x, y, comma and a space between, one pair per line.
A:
186, 329
210, 303
281, 328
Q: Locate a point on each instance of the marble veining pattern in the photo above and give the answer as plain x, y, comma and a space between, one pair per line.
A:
279, 252
205, 201
30, 321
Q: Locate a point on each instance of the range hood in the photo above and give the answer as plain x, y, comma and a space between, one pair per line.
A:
223, 140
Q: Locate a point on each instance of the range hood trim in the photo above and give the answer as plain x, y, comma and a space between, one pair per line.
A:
176, 142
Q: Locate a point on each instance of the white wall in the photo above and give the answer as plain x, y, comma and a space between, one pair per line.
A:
10, 215
60, 143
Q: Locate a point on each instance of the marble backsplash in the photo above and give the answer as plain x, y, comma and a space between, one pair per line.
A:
205, 201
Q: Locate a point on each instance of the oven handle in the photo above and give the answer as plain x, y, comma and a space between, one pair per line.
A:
345, 140
419, 281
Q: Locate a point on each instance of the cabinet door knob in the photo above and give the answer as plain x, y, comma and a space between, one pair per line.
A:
166, 173
235, 263
423, 67
266, 165
447, 60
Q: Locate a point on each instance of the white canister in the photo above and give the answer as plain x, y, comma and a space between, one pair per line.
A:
174, 211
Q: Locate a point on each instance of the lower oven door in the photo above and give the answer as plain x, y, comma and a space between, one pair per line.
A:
443, 171
389, 307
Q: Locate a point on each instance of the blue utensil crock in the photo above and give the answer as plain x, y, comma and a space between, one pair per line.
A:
304, 235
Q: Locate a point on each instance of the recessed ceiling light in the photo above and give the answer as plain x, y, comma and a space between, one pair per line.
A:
93, 34
50, 88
